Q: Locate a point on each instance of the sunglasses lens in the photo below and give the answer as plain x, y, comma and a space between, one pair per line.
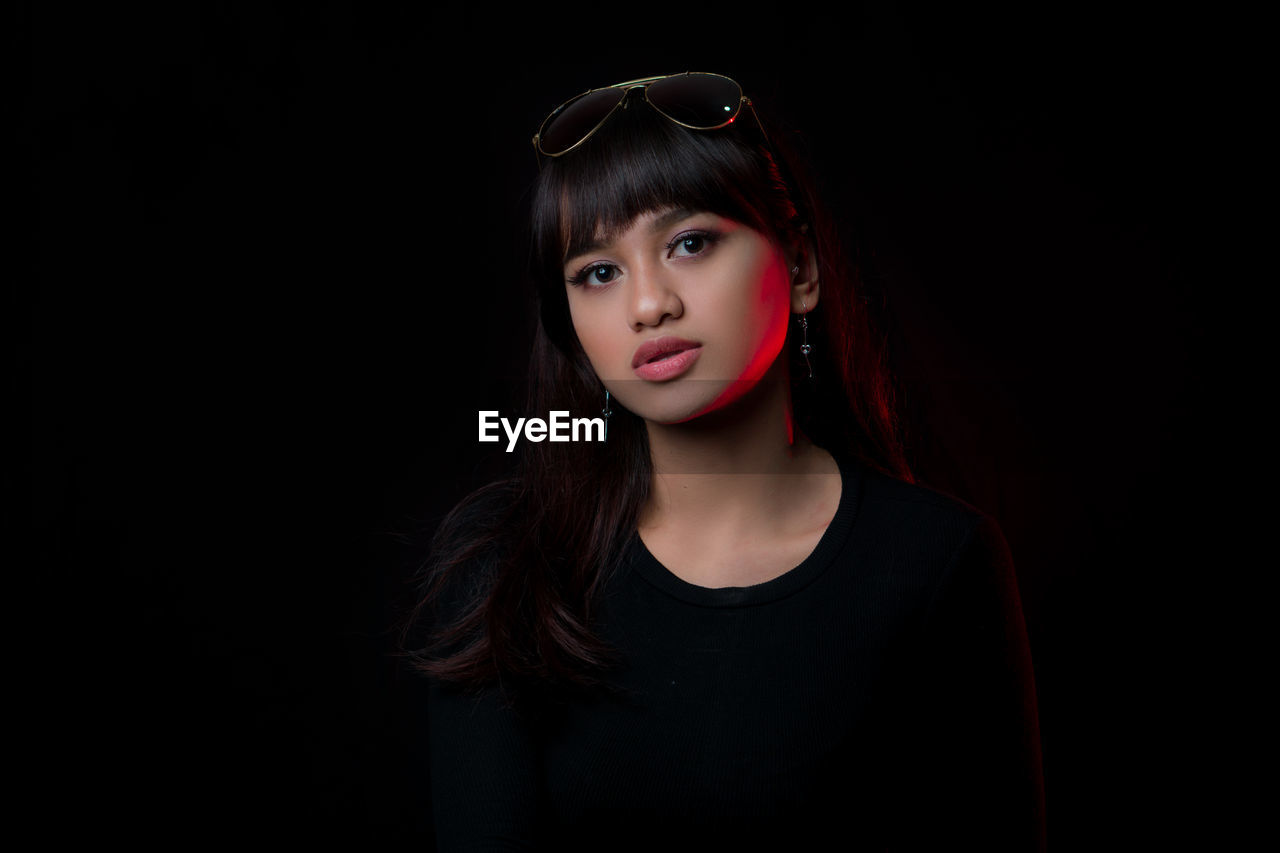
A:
569, 126
697, 100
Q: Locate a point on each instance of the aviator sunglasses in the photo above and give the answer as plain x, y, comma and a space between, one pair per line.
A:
694, 99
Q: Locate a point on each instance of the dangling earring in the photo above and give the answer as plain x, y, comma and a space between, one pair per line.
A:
608, 413
805, 349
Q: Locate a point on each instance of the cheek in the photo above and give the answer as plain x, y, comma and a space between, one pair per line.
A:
587, 328
765, 312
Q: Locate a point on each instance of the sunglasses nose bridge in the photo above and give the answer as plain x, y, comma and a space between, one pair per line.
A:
626, 94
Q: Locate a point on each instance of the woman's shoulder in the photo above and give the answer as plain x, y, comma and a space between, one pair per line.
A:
925, 531
917, 506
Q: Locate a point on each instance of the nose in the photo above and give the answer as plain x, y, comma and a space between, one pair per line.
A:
653, 297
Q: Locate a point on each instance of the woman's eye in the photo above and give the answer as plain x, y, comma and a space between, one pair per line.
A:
596, 274
694, 243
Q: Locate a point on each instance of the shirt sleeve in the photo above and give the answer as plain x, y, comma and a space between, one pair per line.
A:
977, 779
483, 772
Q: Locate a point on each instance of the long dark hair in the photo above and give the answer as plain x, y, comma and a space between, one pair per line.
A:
511, 585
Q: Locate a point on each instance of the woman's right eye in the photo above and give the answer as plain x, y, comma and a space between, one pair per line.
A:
596, 274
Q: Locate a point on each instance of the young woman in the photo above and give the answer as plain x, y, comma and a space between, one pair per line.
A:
737, 620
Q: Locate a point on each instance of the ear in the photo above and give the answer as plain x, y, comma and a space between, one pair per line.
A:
803, 269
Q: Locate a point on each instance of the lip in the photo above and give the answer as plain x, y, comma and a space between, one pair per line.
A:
649, 350
686, 353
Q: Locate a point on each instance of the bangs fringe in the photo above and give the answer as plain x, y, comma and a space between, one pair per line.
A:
640, 162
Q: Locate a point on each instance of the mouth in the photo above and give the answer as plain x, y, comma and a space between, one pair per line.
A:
662, 349
667, 365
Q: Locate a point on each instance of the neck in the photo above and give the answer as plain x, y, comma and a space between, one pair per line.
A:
734, 467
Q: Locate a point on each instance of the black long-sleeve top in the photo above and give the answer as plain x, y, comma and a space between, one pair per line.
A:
879, 696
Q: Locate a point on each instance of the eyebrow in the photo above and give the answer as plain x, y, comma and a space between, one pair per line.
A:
660, 222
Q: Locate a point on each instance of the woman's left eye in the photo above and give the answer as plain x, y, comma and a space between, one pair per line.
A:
691, 243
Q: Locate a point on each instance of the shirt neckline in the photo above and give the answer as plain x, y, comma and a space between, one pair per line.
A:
787, 583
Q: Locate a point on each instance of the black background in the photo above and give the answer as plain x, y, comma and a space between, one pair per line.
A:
280, 269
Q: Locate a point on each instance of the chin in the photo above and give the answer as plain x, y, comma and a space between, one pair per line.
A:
681, 402
665, 403
671, 418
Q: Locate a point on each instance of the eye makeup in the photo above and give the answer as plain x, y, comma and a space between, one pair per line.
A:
697, 242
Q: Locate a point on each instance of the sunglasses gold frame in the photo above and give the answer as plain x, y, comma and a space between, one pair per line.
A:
642, 83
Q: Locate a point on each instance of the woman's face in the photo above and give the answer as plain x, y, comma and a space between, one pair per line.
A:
712, 289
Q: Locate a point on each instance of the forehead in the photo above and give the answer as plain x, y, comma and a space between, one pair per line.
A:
603, 232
